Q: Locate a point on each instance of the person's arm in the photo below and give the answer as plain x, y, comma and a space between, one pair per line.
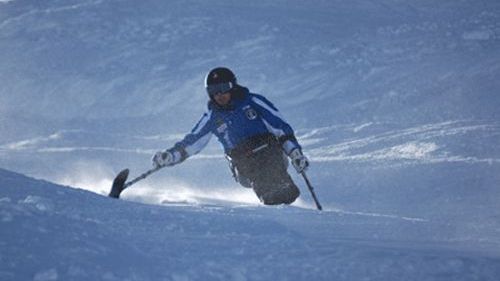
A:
276, 124
190, 145
283, 131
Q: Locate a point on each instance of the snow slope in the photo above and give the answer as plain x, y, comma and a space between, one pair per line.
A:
395, 102
52, 232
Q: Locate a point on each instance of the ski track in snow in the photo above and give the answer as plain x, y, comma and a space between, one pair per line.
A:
411, 219
418, 144
36, 12
423, 144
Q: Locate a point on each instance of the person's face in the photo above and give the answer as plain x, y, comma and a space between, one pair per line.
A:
222, 99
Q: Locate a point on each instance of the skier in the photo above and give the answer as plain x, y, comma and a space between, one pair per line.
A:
253, 134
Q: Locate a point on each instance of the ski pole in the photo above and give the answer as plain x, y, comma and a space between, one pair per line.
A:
311, 189
119, 182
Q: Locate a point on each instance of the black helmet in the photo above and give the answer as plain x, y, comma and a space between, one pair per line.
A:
219, 80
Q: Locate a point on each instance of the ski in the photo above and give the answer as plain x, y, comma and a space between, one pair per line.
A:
119, 184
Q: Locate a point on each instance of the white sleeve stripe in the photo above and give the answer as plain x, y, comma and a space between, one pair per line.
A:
274, 131
202, 122
268, 108
198, 145
288, 146
177, 156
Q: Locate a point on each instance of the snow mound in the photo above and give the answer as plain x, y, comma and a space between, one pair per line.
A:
52, 232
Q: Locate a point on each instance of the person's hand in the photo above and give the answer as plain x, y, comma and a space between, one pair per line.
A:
162, 158
299, 161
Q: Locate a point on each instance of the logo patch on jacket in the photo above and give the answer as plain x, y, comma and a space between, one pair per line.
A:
250, 113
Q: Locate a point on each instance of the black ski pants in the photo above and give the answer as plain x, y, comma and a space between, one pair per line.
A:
262, 166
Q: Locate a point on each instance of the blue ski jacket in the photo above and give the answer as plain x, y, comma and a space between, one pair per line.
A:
247, 116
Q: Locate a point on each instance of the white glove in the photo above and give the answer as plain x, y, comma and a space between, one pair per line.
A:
299, 161
163, 158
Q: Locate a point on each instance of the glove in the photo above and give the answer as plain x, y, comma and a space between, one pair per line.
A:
299, 161
163, 158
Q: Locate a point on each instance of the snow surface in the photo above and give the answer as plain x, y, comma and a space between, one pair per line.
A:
52, 232
396, 104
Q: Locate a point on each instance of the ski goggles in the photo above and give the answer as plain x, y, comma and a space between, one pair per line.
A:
219, 88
